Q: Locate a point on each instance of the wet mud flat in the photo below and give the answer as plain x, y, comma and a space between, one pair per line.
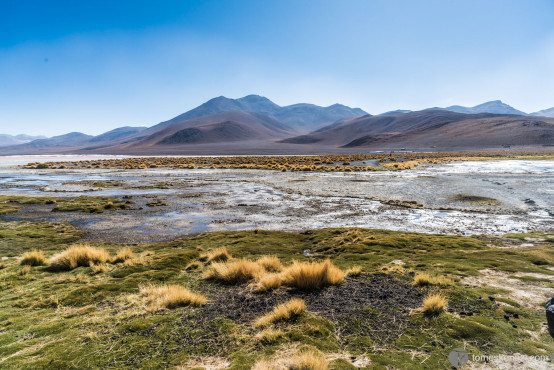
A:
169, 203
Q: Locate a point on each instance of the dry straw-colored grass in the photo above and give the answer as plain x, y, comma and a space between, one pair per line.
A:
33, 258
170, 296
99, 269
312, 275
424, 279
77, 256
289, 310
353, 271
270, 336
124, 255
234, 271
268, 281
216, 255
195, 265
270, 263
303, 360
434, 305
25, 270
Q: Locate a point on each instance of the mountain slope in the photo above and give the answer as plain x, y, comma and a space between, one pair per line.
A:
306, 117
116, 134
434, 128
544, 113
495, 106
229, 126
6, 140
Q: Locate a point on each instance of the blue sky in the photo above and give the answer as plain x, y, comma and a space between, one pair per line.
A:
91, 66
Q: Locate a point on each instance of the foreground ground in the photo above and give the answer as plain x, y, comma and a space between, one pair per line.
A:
98, 316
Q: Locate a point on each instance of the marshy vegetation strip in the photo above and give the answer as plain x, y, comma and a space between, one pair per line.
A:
321, 163
82, 203
106, 306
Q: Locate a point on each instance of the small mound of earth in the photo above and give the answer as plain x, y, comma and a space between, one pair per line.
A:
374, 305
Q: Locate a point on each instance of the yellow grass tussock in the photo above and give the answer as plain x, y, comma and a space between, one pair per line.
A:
33, 258
216, 255
303, 360
285, 311
195, 265
79, 255
312, 275
98, 269
434, 305
353, 271
124, 255
270, 263
170, 296
424, 279
270, 336
25, 270
234, 271
268, 281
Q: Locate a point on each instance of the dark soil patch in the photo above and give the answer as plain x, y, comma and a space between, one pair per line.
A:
368, 305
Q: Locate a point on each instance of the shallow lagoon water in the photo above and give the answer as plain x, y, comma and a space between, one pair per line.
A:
211, 199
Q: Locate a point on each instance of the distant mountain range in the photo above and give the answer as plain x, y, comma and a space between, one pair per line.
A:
495, 106
6, 140
434, 129
254, 124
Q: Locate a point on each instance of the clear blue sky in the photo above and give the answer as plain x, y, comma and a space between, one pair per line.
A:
92, 66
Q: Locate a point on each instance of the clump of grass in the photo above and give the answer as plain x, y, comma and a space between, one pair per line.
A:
353, 271
99, 269
424, 279
270, 336
195, 265
283, 312
170, 296
79, 256
540, 258
216, 255
303, 360
268, 281
234, 271
434, 305
33, 258
25, 270
270, 263
312, 275
124, 255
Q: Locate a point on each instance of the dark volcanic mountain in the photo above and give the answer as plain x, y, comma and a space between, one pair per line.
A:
434, 128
